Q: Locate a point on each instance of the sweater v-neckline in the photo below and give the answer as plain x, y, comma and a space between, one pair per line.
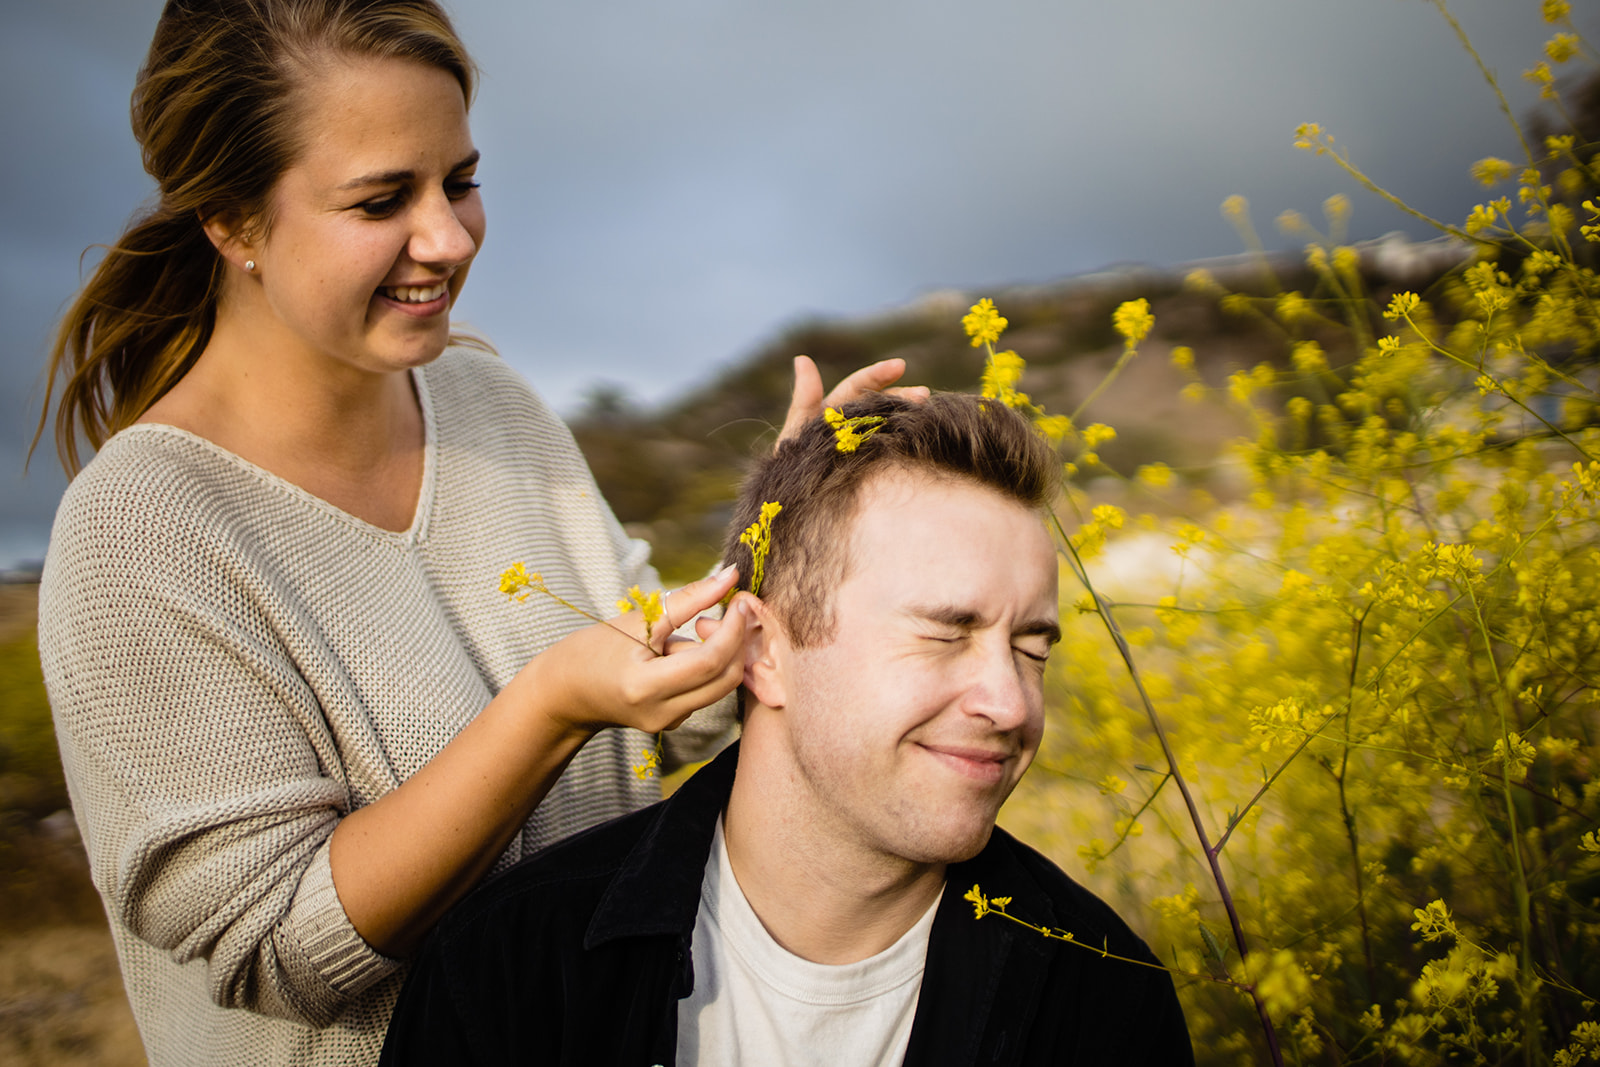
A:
416, 532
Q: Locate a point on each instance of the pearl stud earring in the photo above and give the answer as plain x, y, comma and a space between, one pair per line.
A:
249, 264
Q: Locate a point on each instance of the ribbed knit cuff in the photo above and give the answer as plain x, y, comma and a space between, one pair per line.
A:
328, 945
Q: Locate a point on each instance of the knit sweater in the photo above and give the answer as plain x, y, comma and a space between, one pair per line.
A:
235, 664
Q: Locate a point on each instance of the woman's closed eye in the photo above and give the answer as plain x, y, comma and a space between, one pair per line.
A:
382, 207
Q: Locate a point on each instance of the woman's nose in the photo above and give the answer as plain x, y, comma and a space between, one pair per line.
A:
441, 235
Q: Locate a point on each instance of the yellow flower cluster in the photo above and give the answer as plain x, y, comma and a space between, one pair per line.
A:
650, 766
518, 584
1133, 321
650, 607
757, 537
850, 433
983, 323
1001, 374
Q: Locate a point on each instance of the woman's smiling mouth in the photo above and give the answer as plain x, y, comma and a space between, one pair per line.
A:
414, 294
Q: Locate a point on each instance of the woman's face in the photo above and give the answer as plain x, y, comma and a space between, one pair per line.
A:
372, 228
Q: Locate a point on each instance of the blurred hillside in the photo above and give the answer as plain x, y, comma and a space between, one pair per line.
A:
670, 473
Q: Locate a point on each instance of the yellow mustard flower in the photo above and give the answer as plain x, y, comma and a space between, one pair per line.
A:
649, 605
983, 323
1402, 305
1541, 76
1055, 428
1555, 10
1293, 307
1346, 260
850, 433
1098, 433
1183, 357
757, 537
516, 582
1308, 357
1111, 784
1001, 374
1491, 170
1561, 47
1155, 475
652, 761
1133, 320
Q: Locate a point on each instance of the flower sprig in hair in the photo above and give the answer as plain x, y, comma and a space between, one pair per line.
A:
757, 537
851, 432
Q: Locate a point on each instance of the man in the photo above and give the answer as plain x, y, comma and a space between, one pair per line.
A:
801, 899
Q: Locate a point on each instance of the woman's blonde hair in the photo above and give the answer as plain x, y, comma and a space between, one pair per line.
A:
214, 114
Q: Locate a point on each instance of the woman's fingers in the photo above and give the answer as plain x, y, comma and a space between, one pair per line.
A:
807, 402
874, 378
694, 674
681, 605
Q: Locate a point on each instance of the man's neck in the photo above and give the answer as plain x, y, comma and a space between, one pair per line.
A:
821, 895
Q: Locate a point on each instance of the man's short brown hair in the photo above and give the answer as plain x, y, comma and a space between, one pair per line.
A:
953, 435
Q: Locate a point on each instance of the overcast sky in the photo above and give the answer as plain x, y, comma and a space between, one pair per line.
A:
669, 183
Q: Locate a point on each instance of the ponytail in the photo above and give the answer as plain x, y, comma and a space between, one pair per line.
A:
135, 329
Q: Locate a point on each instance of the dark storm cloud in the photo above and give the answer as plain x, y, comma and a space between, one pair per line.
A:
668, 183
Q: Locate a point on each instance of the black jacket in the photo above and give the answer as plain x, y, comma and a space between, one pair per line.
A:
580, 954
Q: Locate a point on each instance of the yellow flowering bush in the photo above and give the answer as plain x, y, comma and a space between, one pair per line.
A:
1337, 750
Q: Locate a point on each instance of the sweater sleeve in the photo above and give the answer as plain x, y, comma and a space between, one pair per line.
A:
200, 764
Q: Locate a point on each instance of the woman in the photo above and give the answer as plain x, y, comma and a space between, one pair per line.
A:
297, 719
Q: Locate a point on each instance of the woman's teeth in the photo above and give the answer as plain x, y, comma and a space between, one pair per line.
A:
411, 294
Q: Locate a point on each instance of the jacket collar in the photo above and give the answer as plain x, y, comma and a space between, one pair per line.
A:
657, 888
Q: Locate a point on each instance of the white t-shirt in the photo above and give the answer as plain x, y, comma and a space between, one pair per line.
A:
755, 1002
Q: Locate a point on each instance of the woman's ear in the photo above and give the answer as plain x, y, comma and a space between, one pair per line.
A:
234, 240
766, 652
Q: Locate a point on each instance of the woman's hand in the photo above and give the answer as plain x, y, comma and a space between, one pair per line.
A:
808, 401
607, 675
400, 861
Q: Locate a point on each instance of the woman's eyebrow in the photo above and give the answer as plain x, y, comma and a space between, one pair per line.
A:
391, 177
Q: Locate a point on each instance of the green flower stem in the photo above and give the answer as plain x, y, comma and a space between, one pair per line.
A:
1128, 352
1488, 75
1519, 888
990, 908
1212, 855
540, 587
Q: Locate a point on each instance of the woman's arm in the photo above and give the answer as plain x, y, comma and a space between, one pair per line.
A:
401, 861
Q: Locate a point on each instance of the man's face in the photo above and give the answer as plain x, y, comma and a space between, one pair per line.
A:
912, 725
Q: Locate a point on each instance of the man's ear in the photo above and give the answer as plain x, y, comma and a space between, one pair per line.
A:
766, 648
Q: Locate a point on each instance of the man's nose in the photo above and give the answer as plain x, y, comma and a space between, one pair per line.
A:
999, 692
